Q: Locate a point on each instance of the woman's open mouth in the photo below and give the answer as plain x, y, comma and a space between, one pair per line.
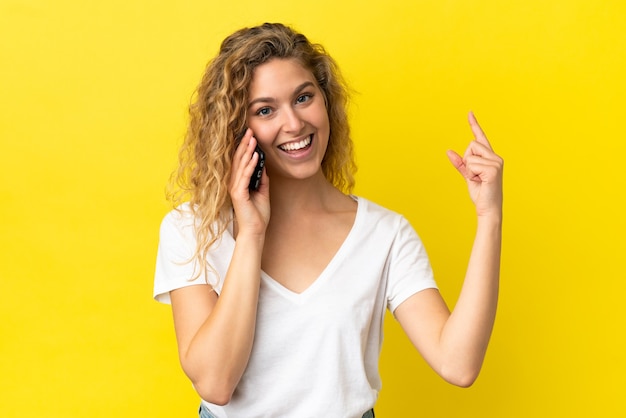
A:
297, 145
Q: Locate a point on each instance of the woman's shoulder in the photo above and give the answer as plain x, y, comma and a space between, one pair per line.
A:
375, 210
374, 219
179, 219
178, 226
182, 213
183, 222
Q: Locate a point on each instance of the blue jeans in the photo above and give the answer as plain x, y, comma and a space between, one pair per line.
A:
203, 412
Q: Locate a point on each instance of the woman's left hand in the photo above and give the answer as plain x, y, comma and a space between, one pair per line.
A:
482, 169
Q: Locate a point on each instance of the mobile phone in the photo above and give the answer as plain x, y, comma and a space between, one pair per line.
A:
255, 179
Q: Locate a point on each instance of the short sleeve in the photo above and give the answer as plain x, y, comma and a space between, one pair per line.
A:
408, 268
175, 266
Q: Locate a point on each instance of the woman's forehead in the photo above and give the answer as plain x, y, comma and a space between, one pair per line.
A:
279, 74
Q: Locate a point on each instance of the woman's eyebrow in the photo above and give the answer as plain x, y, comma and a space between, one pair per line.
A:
296, 91
260, 100
303, 86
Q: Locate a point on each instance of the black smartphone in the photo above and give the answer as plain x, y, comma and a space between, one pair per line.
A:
255, 179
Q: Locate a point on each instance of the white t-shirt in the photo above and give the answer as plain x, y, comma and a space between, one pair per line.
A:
315, 354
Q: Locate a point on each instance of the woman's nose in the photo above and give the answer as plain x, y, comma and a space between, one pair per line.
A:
292, 122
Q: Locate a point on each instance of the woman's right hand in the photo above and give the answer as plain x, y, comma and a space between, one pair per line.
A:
252, 209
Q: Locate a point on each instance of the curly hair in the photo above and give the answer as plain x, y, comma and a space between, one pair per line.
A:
218, 115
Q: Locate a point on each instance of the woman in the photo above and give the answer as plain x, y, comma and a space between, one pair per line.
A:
279, 294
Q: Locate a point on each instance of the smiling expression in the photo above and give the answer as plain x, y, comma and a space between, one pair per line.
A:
287, 114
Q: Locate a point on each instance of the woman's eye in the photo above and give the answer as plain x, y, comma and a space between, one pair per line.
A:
304, 98
264, 111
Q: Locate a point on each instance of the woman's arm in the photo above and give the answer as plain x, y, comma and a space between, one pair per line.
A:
454, 344
215, 334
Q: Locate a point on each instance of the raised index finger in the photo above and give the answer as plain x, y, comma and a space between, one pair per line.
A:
477, 131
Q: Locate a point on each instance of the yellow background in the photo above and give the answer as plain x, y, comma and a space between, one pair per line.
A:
93, 108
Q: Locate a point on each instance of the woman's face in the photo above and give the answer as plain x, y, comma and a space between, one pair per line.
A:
288, 117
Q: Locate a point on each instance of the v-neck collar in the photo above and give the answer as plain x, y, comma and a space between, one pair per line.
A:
330, 268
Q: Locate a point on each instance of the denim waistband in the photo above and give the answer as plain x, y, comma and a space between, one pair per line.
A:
203, 412
369, 414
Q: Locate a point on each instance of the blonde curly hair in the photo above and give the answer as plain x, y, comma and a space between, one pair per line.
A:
218, 115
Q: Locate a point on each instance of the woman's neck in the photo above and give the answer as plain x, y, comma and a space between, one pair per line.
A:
290, 197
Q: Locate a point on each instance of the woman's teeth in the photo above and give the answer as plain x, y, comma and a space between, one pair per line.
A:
295, 146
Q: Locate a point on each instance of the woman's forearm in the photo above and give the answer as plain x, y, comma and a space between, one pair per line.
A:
218, 353
466, 334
